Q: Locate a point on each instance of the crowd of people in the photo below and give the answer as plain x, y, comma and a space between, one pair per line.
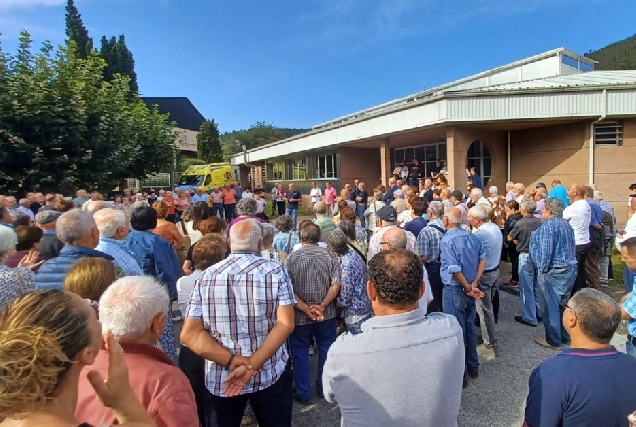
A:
399, 276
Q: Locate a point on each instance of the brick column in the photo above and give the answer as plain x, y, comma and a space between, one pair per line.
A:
385, 161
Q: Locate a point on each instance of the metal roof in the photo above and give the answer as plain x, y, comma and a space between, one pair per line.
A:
579, 80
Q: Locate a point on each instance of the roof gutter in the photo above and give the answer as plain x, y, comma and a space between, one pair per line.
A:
592, 142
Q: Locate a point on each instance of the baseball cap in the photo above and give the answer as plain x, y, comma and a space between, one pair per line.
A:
632, 187
387, 213
541, 185
47, 216
457, 194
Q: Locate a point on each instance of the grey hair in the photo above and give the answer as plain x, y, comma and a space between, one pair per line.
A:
139, 204
268, 231
396, 238
436, 209
246, 207
338, 241
477, 191
528, 205
187, 214
510, 184
96, 205
479, 212
108, 221
542, 192
598, 314
284, 223
598, 194
554, 205
493, 189
74, 225
8, 239
129, 305
320, 207
454, 217
246, 240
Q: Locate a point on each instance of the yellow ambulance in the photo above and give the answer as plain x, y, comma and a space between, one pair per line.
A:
206, 177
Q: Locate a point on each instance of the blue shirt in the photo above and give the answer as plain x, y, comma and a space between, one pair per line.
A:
284, 243
293, 195
6, 225
630, 308
489, 234
125, 260
461, 252
561, 193
388, 197
353, 297
239, 192
429, 240
552, 245
597, 212
581, 388
416, 225
202, 198
477, 181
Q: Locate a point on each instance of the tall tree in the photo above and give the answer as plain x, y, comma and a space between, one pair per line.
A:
77, 32
119, 60
208, 142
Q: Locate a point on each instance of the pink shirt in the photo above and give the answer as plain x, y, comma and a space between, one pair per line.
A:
330, 195
217, 197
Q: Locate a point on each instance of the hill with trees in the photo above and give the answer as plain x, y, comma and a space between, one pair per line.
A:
260, 133
616, 56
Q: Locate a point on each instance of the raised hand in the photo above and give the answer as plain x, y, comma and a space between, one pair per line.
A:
115, 390
30, 260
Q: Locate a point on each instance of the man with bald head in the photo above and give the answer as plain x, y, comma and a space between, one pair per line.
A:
579, 215
463, 263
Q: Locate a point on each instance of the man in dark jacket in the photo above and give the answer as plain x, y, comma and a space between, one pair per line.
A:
50, 246
79, 233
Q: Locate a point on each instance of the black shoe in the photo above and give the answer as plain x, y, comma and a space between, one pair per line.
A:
473, 373
520, 320
465, 384
319, 393
539, 319
301, 401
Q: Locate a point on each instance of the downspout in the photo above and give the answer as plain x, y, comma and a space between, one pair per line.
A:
508, 180
592, 143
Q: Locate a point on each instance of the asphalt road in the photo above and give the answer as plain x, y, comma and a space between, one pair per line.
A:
497, 398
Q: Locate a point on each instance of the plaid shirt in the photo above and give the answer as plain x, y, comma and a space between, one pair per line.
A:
313, 270
428, 241
125, 260
630, 308
237, 300
552, 245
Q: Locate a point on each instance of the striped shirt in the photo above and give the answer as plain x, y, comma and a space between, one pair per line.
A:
313, 270
428, 241
552, 245
237, 300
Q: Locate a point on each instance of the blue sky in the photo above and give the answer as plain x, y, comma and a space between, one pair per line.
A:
299, 63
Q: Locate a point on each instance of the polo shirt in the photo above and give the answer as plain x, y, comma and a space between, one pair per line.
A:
372, 377
229, 196
489, 234
579, 215
581, 388
293, 195
522, 230
199, 198
561, 193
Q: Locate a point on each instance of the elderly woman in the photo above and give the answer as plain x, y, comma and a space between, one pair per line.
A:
28, 241
200, 212
89, 278
353, 297
372, 210
15, 281
47, 338
165, 228
348, 214
286, 238
245, 208
158, 259
268, 252
349, 229
212, 225
498, 205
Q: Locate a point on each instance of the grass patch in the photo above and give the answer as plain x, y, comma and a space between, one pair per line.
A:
301, 211
617, 267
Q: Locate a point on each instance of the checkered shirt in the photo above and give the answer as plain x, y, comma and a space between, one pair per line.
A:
428, 241
237, 300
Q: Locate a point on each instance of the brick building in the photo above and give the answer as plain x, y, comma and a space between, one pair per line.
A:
544, 117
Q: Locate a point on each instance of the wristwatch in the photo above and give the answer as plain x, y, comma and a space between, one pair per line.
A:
229, 362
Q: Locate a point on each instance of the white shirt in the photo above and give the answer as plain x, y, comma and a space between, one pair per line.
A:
316, 195
427, 296
26, 211
579, 215
520, 198
630, 231
300, 245
184, 288
374, 242
247, 195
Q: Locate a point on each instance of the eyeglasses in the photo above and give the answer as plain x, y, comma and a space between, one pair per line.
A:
565, 305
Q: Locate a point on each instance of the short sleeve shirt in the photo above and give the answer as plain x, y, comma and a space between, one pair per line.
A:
522, 231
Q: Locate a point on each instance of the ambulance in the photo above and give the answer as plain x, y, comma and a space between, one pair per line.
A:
206, 177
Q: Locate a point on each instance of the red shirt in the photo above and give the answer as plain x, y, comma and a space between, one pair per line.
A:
169, 200
229, 196
161, 387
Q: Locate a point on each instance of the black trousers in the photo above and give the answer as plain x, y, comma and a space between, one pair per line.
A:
230, 213
280, 206
581, 277
272, 406
193, 366
435, 279
514, 260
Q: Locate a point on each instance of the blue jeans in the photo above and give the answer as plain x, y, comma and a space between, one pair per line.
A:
299, 342
555, 287
455, 302
360, 209
628, 278
292, 212
630, 349
528, 290
217, 208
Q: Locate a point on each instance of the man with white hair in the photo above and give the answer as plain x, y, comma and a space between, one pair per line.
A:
25, 209
78, 231
95, 197
81, 198
239, 316
134, 309
519, 189
113, 229
428, 248
10, 204
93, 206
477, 197
489, 234
510, 192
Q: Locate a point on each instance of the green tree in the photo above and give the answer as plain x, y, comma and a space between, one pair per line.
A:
119, 60
208, 142
60, 122
77, 32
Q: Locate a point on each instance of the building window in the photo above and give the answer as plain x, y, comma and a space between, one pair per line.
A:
575, 63
275, 171
478, 156
326, 167
608, 133
297, 169
426, 154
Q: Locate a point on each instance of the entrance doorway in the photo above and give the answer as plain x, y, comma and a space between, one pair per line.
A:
478, 156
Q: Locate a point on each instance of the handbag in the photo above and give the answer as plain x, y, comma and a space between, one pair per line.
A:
182, 251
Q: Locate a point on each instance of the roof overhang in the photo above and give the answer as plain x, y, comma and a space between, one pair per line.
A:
461, 107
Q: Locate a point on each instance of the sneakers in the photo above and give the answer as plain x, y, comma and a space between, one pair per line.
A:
176, 312
511, 284
487, 352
